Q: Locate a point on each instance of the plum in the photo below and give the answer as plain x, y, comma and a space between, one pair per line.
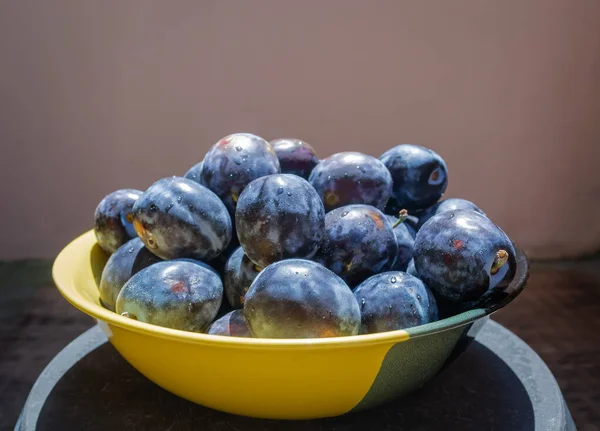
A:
219, 262
419, 176
359, 242
177, 217
279, 217
233, 162
233, 324
411, 224
178, 294
463, 256
298, 298
238, 275
394, 300
447, 205
128, 260
405, 240
195, 173
295, 156
410, 268
352, 178
113, 219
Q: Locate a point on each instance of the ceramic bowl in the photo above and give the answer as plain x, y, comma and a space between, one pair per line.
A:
269, 378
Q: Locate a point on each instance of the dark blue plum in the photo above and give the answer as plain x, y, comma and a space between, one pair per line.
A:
295, 156
233, 162
405, 240
113, 219
351, 178
419, 176
298, 298
411, 223
198, 262
128, 260
450, 204
177, 294
359, 242
195, 173
219, 262
239, 274
279, 217
177, 217
463, 256
233, 324
410, 268
394, 300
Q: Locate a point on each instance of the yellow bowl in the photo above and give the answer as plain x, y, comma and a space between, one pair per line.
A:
267, 378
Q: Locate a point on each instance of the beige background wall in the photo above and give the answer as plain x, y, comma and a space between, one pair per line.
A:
99, 95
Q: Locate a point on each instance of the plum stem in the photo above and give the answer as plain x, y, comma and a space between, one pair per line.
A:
401, 217
501, 259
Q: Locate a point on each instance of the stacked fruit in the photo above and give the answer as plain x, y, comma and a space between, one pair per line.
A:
265, 240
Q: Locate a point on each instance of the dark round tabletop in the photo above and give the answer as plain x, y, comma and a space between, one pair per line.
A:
499, 383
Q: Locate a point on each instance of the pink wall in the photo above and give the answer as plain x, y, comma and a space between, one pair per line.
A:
96, 96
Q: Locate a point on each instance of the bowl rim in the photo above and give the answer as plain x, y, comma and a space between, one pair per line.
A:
64, 273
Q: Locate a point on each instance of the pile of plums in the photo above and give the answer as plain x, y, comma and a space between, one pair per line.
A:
263, 239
